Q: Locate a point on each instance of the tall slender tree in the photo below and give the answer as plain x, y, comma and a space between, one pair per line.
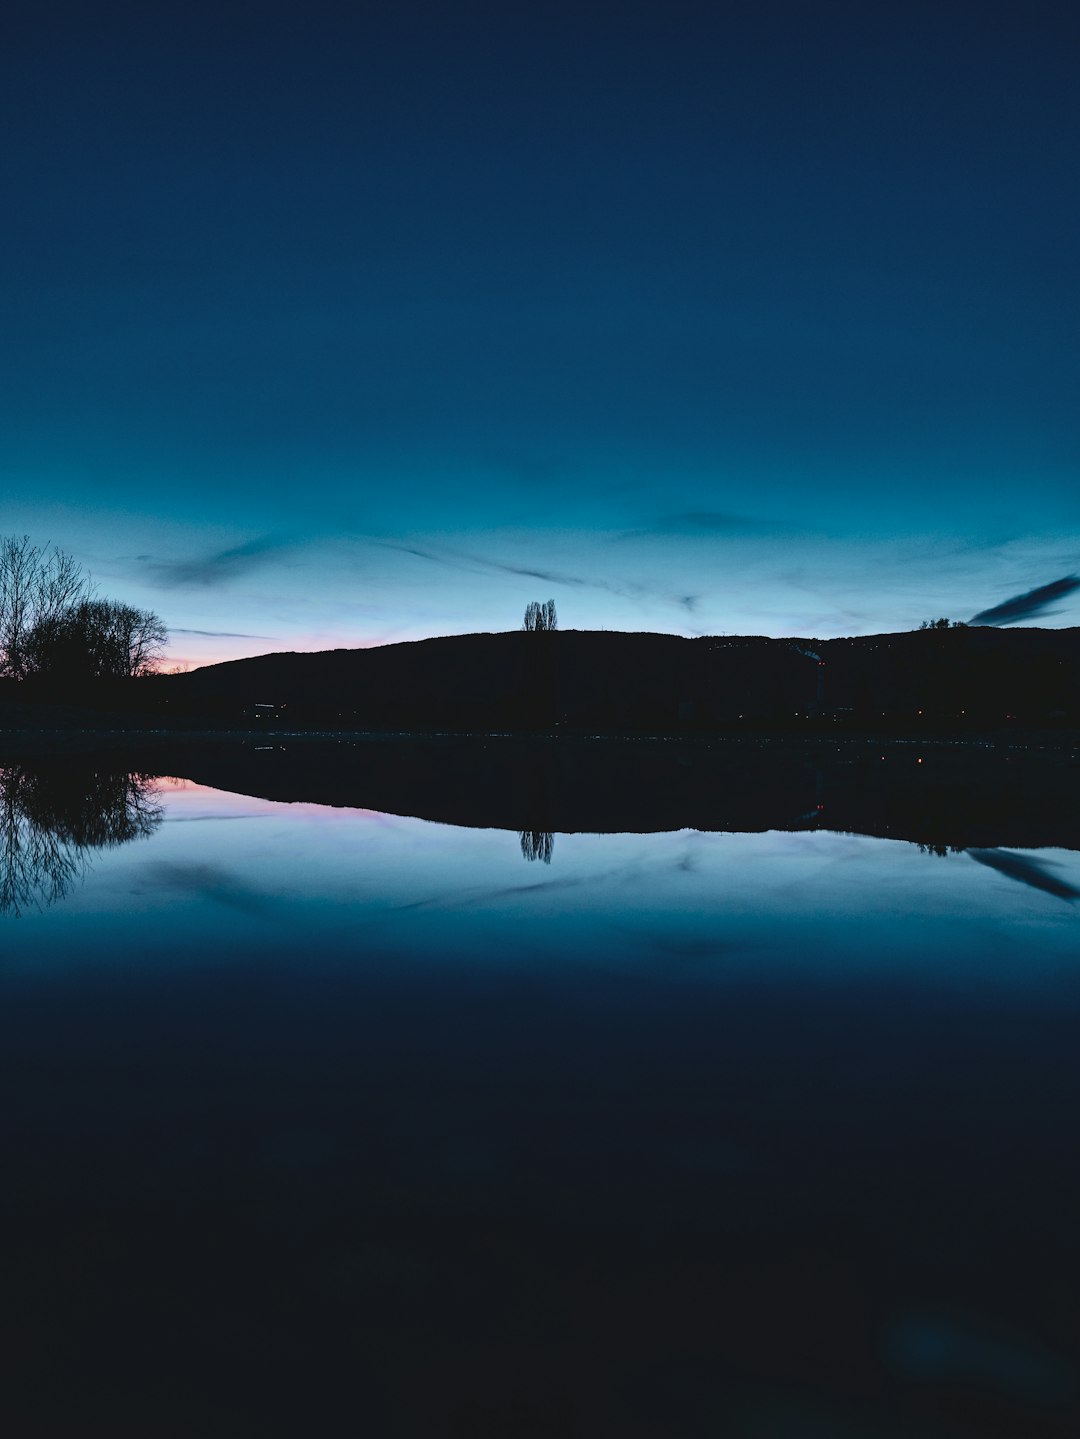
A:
540, 615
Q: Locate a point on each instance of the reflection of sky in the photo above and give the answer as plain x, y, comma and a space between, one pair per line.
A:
660, 1085
749, 318
227, 874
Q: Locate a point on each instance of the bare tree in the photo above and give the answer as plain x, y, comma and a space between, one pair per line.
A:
96, 639
140, 637
37, 584
540, 616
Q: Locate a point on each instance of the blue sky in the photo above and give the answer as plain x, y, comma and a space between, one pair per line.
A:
352, 324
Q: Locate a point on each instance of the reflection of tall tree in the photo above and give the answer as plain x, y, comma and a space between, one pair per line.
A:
537, 844
50, 818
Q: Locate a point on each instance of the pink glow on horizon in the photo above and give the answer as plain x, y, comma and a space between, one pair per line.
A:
185, 799
298, 644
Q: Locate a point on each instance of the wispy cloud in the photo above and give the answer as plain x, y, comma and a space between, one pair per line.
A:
550, 577
701, 522
218, 634
413, 550
480, 564
1028, 605
219, 568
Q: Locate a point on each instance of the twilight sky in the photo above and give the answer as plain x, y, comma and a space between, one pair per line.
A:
338, 324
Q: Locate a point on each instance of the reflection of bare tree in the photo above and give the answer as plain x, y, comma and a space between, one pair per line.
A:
50, 818
537, 844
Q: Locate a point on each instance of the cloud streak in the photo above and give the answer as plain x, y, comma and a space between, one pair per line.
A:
699, 522
1028, 605
217, 634
478, 564
474, 564
219, 568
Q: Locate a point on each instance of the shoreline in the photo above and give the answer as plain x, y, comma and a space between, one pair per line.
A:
70, 738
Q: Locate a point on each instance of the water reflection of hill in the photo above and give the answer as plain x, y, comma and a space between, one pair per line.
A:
946, 794
53, 815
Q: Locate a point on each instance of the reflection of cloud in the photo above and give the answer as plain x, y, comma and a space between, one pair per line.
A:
467, 898
1028, 605
1025, 870
208, 881
938, 1345
690, 946
218, 568
206, 818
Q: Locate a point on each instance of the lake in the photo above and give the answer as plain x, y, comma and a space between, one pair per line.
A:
666, 1092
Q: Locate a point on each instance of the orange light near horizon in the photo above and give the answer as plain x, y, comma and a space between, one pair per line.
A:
181, 794
314, 644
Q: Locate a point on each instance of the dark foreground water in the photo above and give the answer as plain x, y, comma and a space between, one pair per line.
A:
325, 1121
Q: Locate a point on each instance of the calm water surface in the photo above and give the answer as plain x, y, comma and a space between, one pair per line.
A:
330, 1121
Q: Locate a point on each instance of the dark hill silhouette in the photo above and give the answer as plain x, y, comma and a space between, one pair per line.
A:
956, 678
941, 680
